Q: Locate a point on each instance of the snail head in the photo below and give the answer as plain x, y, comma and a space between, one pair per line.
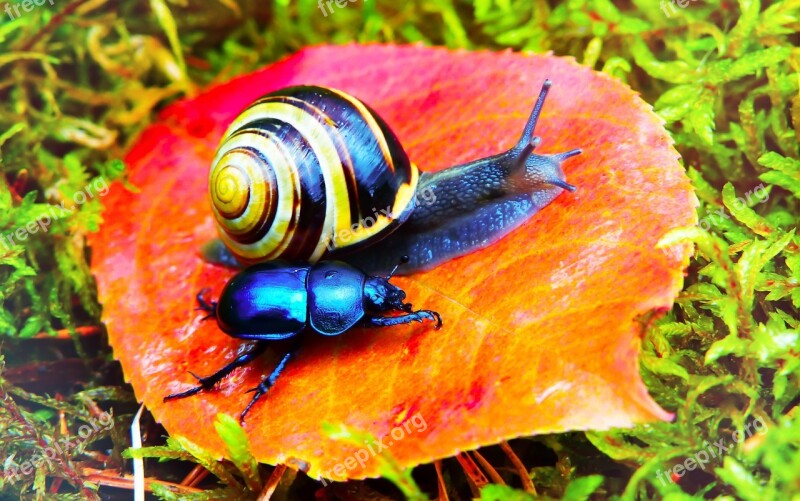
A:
539, 169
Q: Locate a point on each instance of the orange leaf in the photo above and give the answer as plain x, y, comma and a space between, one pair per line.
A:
540, 330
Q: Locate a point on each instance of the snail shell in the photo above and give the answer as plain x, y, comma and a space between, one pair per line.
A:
302, 170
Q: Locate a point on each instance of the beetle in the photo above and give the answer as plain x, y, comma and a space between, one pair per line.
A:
277, 300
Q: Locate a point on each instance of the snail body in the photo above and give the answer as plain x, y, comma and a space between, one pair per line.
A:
309, 173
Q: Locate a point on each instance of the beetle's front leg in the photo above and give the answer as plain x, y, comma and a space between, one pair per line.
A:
417, 316
209, 381
210, 308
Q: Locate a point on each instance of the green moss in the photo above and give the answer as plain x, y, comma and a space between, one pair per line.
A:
80, 79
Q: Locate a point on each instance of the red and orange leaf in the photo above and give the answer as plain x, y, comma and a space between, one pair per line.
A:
540, 330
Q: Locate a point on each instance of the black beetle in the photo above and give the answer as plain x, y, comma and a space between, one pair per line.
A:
276, 300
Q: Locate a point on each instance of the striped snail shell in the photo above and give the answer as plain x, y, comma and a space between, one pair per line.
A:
307, 172
302, 171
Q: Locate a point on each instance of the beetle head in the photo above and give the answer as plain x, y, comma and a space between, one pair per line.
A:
380, 295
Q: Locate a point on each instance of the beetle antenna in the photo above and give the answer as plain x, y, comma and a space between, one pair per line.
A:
210, 308
403, 260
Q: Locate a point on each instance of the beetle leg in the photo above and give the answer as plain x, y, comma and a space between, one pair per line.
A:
210, 308
209, 381
268, 381
417, 316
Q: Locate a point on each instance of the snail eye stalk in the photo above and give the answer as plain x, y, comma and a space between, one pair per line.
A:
527, 151
562, 184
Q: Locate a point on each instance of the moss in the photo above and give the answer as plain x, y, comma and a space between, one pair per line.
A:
80, 78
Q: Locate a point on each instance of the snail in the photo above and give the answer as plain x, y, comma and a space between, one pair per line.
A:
308, 173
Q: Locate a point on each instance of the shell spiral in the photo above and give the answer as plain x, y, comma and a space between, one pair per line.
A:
307, 171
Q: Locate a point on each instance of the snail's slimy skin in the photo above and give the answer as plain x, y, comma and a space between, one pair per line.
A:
476, 205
